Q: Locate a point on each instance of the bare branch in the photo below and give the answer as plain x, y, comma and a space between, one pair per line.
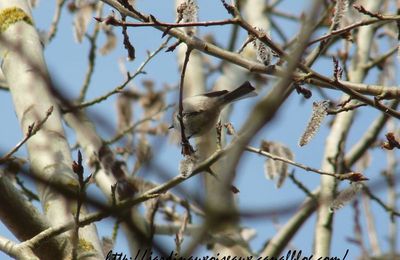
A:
32, 130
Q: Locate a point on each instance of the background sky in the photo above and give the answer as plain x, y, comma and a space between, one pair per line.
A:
67, 63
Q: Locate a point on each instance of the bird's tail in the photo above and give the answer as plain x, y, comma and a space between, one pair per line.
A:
243, 91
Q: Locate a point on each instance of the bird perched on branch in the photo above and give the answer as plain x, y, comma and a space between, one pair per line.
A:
201, 112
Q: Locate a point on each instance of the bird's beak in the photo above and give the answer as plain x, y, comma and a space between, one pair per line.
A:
171, 126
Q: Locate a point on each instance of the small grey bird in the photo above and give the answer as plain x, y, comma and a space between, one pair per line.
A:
201, 112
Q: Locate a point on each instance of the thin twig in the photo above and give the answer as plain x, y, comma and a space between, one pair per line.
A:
350, 27
111, 20
352, 176
370, 223
273, 4
28, 193
288, 16
135, 125
91, 57
362, 10
56, 19
372, 102
118, 89
345, 109
301, 186
380, 202
78, 170
130, 49
233, 38
279, 31
187, 149
32, 130
390, 175
381, 59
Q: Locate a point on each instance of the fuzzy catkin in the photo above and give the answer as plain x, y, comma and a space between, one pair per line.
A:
318, 115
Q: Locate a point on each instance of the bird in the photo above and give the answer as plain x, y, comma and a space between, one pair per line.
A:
201, 112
